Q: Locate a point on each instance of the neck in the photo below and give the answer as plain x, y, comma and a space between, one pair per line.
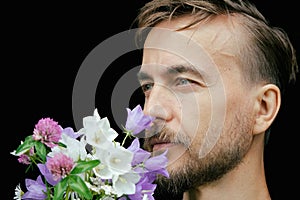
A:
246, 181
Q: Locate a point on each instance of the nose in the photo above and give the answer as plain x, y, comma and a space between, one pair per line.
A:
159, 102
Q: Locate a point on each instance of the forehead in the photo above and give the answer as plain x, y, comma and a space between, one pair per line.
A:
211, 43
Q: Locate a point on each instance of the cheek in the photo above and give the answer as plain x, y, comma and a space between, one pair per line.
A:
195, 115
203, 118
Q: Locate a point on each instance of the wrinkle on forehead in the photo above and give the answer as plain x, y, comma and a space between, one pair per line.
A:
221, 47
221, 35
217, 41
174, 47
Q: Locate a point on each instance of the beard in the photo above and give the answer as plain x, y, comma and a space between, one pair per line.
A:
194, 171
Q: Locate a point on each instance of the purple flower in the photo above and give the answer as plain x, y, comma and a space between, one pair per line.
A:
156, 165
157, 162
26, 157
143, 187
47, 174
59, 165
35, 189
69, 131
48, 132
120, 198
148, 167
139, 155
137, 121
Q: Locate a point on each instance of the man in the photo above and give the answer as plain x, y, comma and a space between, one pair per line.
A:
214, 74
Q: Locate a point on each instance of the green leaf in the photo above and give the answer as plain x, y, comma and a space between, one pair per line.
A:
60, 188
62, 144
83, 166
78, 185
26, 145
41, 150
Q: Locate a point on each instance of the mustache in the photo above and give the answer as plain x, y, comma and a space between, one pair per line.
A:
162, 134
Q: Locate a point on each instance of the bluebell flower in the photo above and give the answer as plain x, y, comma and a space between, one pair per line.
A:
36, 189
137, 121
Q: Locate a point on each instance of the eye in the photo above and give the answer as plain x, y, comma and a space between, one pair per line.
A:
183, 81
146, 87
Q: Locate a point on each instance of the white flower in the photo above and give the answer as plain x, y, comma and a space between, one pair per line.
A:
116, 158
74, 196
145, 197
96, 114
125, 184
18, 192
119, 160
103, 171
98, 185
108, 190
95, 188
96, 180
75, 148
104, 168
98, 131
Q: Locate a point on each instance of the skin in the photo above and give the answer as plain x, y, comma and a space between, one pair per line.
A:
211, 122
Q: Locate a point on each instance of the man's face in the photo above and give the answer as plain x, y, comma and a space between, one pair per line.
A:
194, 87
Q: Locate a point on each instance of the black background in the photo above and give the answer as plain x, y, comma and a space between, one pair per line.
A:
44, 45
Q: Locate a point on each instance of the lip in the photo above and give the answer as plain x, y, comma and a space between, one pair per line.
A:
158, 144
162, 145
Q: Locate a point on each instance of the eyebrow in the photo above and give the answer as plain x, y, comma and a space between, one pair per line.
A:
180, 69
174, 70
143, 76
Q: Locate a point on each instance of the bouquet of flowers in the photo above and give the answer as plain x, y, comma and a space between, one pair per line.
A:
90, 163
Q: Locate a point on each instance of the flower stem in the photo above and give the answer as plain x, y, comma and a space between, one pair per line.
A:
123, 142
128, 134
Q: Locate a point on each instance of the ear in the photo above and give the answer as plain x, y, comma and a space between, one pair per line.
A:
266, 107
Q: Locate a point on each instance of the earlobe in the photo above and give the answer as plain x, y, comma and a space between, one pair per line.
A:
267, 106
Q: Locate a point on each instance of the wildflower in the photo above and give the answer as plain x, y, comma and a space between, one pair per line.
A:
148, 167
139, 155
98, 131
69, 131
47, 174
36, 189
125, 183
144, 189
59, 165
47, 131
156, 165
137, 121
73, 148
116, 160
89, 164
18, 192
25, 157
